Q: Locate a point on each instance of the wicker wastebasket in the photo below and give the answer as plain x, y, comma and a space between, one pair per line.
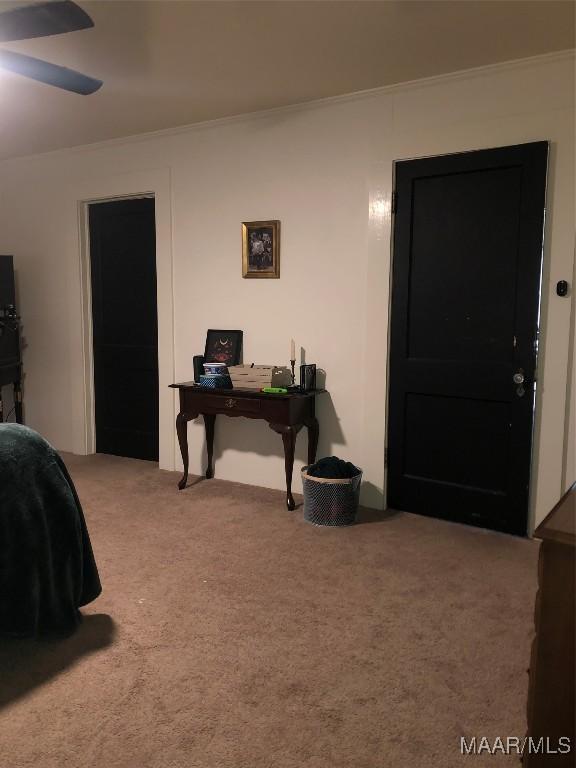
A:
331, 501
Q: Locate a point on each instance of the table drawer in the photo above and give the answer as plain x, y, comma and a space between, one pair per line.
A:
242, 406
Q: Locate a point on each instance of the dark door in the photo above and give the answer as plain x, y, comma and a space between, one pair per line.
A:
465, 295
125, 327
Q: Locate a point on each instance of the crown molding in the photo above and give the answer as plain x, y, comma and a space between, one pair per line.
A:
246, 117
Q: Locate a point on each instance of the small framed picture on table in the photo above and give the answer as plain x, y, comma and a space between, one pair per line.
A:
261, 249
223, 347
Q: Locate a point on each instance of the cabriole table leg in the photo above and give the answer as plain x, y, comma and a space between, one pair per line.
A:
182, 431
209, 421
289, 439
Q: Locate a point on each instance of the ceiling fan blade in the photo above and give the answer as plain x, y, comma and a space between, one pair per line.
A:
42, 20
51, 74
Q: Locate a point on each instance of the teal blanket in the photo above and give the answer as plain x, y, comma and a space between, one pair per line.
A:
47, 568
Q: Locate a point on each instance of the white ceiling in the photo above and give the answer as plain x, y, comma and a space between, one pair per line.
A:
167, 63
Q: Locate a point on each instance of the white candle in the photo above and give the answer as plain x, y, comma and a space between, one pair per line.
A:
292, 350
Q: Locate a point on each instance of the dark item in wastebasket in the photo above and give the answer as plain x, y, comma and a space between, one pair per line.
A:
333, 468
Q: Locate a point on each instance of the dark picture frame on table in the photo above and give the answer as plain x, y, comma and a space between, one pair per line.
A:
223, 347
261, 249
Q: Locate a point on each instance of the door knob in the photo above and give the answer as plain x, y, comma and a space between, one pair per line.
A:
518, 377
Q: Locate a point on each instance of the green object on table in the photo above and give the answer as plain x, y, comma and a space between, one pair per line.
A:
275, 390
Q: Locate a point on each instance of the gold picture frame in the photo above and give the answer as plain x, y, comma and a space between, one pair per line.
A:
261, 249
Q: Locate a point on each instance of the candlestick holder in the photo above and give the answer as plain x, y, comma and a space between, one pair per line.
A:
292, 365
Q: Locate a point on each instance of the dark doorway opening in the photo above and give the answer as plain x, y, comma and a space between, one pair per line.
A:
125, 327
466, 274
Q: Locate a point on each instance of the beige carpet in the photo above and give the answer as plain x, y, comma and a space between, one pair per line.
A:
231, 634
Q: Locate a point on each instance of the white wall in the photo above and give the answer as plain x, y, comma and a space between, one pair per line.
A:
570, 446
324, 170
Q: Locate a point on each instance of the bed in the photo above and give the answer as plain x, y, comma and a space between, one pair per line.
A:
47, 567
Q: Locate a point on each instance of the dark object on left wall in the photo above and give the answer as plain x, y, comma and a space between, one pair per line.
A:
7, 286
47, 569
221, 347
10, 353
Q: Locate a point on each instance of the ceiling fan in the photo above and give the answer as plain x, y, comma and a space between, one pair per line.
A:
44, 19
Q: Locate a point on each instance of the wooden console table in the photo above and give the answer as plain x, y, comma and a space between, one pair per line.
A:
285, 414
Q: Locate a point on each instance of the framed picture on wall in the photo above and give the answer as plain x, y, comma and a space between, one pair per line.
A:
261, 249
223, 347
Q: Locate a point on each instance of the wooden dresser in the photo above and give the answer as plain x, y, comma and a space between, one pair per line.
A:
551, 712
